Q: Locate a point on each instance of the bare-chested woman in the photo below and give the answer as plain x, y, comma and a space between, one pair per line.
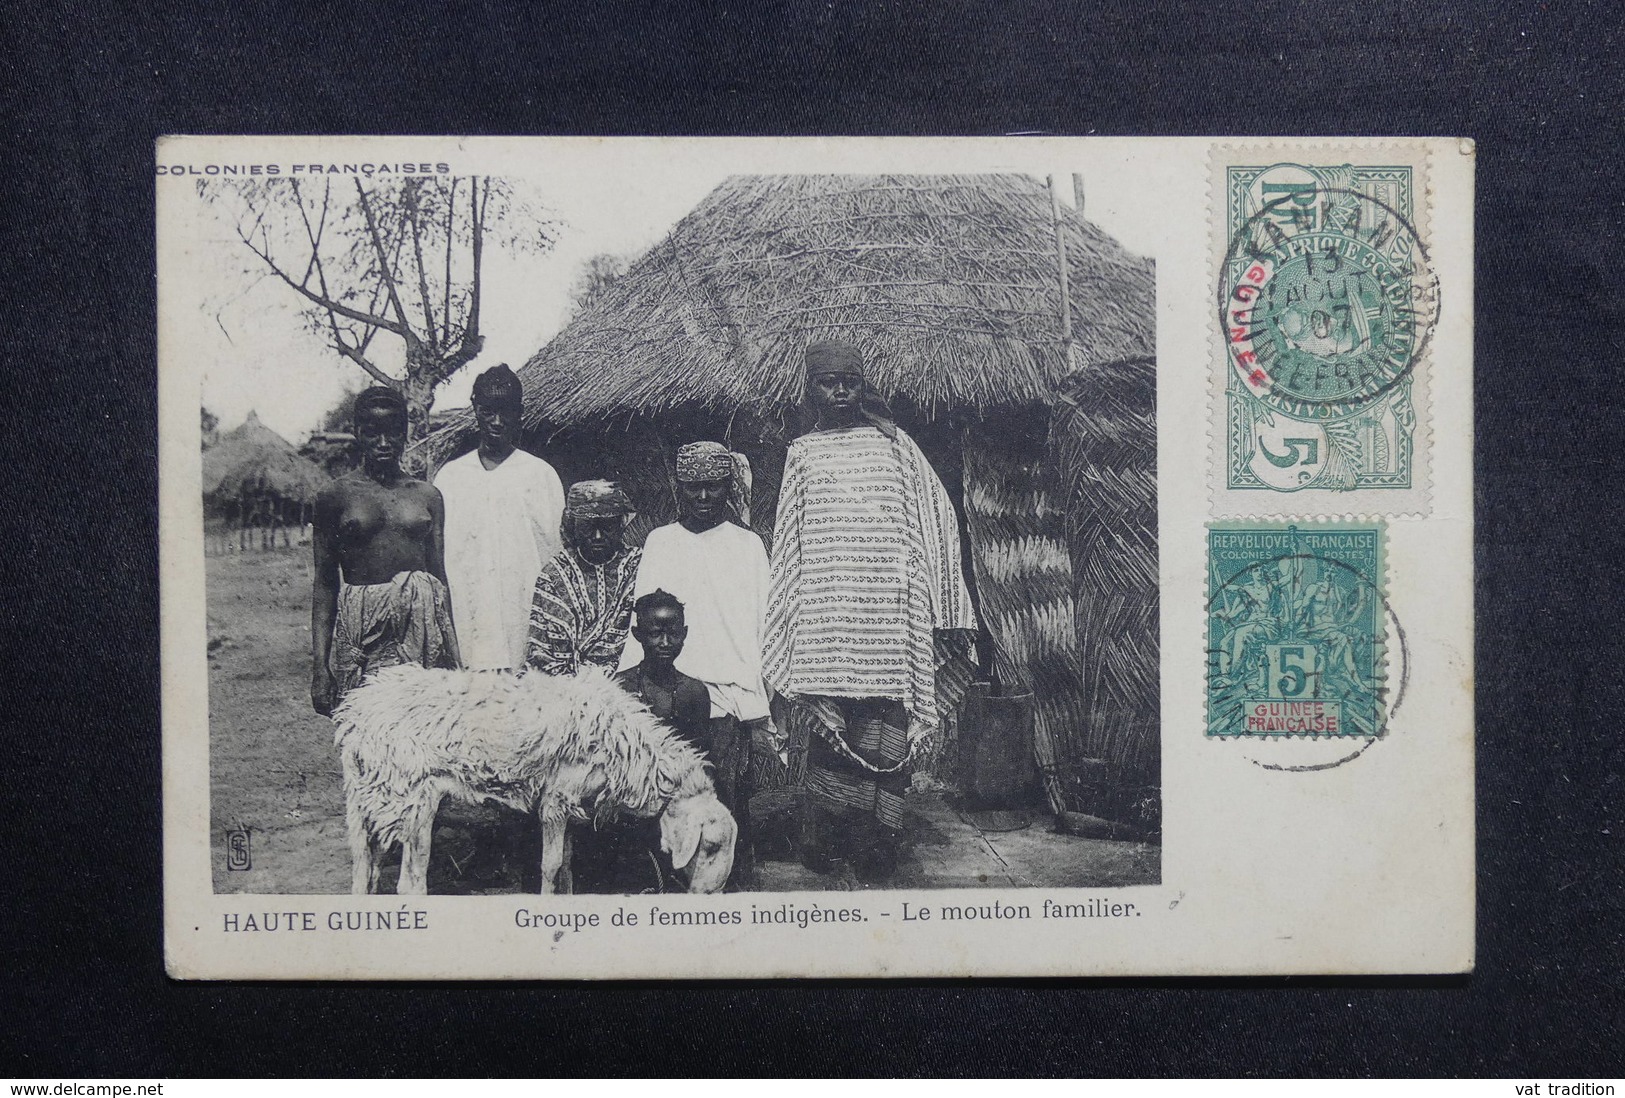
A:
379, 594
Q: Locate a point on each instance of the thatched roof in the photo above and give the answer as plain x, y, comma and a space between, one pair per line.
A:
254, 460
948, 282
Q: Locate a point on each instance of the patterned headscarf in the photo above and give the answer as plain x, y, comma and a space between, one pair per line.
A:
596, 499
699, 461
593, 499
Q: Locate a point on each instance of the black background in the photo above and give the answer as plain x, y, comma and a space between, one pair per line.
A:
87, 89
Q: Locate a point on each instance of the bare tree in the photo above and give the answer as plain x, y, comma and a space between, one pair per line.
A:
400, 255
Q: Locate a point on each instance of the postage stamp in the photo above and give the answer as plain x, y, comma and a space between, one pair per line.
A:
1296, 630
1326, 303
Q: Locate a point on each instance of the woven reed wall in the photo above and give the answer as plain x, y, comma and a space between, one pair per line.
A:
1105, 484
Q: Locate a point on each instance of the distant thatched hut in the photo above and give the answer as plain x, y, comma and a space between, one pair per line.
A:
254, 480
1039, 417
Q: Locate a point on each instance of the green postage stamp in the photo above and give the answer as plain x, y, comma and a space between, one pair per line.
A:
1295, 629
1326, 302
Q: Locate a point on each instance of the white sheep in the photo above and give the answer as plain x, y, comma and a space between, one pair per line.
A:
564, 747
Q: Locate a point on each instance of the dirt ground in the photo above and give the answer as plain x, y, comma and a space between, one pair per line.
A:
274, 774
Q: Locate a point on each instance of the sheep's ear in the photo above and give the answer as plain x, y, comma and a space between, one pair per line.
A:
729, 828
679, 834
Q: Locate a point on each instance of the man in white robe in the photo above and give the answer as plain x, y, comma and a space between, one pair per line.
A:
718, 570
503, 507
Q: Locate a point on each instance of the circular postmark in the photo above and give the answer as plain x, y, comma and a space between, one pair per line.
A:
1307, 662
1326, 298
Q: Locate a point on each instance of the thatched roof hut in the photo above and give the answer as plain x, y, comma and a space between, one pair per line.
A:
254, 463
949, 283
952, 285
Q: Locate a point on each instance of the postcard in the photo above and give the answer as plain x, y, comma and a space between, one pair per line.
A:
630, 558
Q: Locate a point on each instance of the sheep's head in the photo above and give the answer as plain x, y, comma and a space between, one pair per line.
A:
698, 833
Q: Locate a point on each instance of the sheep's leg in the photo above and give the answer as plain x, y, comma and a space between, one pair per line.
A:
362, 870
363, 865
414, 878
555, 855
363, 849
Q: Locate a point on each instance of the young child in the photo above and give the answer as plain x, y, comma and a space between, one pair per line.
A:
680, 701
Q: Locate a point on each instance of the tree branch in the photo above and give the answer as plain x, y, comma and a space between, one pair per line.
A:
378, 294
321, 299
313, 235
383, 264
472, 342
451, 215
360, 360
423, 279
372, 301
315, 265
465, 353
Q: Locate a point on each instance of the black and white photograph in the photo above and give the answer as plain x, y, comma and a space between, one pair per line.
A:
628, 558
786, 533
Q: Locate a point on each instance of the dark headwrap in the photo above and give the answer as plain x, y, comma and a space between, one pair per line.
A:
379, 396
499, 385
832, 356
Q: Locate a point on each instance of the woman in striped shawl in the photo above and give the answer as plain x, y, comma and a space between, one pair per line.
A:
869, 622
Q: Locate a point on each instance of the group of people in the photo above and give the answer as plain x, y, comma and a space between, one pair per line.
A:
860, 620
